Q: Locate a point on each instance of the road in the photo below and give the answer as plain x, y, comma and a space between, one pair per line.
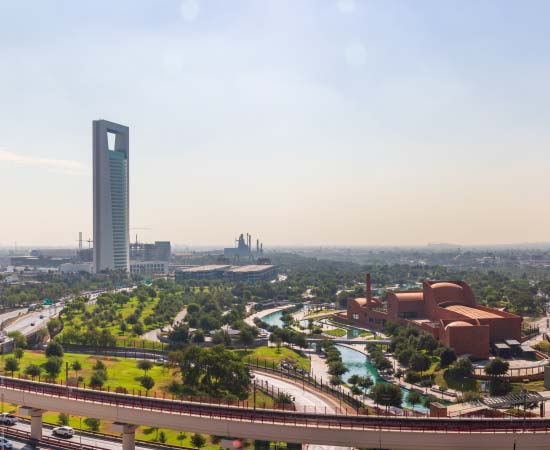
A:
86, 439
38, 318
12, 314
304, 400
152, 335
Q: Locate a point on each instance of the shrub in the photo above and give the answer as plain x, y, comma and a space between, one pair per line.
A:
54, 348
92, 423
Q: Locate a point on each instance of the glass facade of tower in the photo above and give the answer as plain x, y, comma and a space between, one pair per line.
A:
118, 168
111, 196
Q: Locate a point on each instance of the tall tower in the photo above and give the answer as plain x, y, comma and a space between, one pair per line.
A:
111, 196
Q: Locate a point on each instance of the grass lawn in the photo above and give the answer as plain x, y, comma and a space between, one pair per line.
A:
338, 332
444, 379
122, 372
272, 356
319, 314
537, 385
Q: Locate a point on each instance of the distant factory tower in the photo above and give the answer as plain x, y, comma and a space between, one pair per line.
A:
111, 196
243, 248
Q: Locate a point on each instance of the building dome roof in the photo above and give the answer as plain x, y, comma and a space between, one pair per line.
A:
448, 292
459, 323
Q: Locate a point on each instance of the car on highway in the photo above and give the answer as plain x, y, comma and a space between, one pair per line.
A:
41, 316
32, 324
63, 431
4, 443
8, 419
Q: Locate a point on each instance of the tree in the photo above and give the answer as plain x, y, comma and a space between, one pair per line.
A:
19, 339
181, 437
386, 394
414, 398
99, 365
33, 371
179, 333
221, 337
420, 362
198, 440
365, 383
138, 329
11, 365
147, 382
337, 368
246, 337
145, 365
54, 326
354, 379
447, 357
92, 423
162, 437
54, 348
497, 367
18, 352
76, 366
97, 379
53, 366
463, 367
198, 336
63, 419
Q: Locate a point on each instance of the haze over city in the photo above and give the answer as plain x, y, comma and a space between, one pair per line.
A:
306, 123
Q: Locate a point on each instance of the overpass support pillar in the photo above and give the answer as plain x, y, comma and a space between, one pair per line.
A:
128, 434
36, 420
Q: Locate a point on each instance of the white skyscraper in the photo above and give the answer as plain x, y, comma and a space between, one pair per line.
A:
111, 196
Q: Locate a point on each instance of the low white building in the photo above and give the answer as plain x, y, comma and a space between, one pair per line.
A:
149, 267
76, 267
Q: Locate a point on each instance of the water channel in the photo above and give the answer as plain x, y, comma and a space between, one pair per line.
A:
356, 362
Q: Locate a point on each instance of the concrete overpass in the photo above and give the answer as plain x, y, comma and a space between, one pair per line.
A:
349, 430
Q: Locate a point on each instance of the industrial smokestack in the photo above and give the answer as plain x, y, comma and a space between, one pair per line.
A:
262, 247
368, 290
80, 240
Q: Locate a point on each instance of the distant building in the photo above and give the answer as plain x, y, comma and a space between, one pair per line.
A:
111, 196
249, 274
149, 267
209, 272
159, 251
76, 267
53, 253
38, 261
446, 309
243, 248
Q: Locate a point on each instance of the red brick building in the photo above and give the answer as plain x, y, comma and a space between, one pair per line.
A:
446, 309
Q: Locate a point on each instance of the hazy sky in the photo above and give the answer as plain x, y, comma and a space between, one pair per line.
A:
299, 121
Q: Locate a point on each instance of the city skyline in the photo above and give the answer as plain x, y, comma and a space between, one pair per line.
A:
310, 123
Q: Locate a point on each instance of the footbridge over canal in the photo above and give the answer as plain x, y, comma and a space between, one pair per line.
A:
130, 411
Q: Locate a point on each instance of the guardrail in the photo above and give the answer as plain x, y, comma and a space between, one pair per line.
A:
288, 418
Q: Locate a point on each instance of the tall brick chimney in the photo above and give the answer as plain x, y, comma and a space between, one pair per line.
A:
368, 290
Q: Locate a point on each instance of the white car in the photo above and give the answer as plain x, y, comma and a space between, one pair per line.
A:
4, 443
8, 419
63, 431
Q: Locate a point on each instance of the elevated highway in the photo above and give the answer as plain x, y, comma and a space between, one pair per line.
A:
312, 428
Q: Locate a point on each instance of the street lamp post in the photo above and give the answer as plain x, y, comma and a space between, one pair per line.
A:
80, 433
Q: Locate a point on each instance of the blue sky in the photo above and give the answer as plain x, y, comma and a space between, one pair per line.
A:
302, 121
